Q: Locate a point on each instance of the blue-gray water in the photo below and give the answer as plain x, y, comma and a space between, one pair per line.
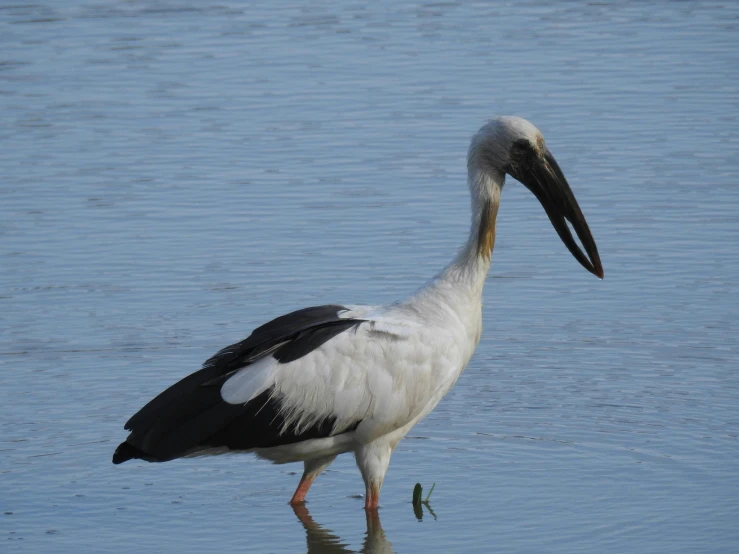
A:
173, 174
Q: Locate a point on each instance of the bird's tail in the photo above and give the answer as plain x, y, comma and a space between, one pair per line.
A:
126, 451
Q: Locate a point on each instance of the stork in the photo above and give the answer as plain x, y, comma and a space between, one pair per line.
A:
321, 381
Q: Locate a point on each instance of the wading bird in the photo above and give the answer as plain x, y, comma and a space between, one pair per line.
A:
325, 380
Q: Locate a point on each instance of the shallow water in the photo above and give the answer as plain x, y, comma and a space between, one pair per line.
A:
174, 174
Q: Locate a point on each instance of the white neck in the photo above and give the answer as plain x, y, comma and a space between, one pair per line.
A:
460, 284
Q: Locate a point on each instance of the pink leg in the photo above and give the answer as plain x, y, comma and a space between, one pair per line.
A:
372, 499
305, 482
313, 469
372, 460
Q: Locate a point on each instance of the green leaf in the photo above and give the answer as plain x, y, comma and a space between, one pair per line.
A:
429, 496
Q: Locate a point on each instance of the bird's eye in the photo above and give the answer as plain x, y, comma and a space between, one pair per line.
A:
521, 149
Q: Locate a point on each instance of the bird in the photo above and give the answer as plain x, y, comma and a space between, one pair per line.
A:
338, 378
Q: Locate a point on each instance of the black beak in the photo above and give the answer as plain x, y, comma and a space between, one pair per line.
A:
542, 176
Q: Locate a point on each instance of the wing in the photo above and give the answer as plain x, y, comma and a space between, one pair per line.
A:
197, 413
383, 375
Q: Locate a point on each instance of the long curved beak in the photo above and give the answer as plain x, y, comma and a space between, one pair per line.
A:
545, 179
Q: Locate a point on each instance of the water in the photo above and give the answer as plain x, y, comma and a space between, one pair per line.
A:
176, 173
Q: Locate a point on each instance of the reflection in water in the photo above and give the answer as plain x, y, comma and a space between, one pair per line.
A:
418, 509
323, 541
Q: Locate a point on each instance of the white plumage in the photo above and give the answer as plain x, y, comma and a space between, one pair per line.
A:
363, 388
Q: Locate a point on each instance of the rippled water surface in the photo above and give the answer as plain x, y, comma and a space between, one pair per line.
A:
175, 173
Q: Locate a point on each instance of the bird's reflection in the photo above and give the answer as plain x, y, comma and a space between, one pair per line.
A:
324, 541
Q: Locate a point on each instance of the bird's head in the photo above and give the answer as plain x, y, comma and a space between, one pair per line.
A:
511, 145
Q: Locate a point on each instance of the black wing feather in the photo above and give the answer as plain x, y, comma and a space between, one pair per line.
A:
191, 415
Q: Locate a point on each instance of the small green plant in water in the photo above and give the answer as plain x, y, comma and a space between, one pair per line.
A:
418, 501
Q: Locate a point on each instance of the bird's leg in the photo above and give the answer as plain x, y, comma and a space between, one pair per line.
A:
373, 459
313, 468
305, 482
372, 497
